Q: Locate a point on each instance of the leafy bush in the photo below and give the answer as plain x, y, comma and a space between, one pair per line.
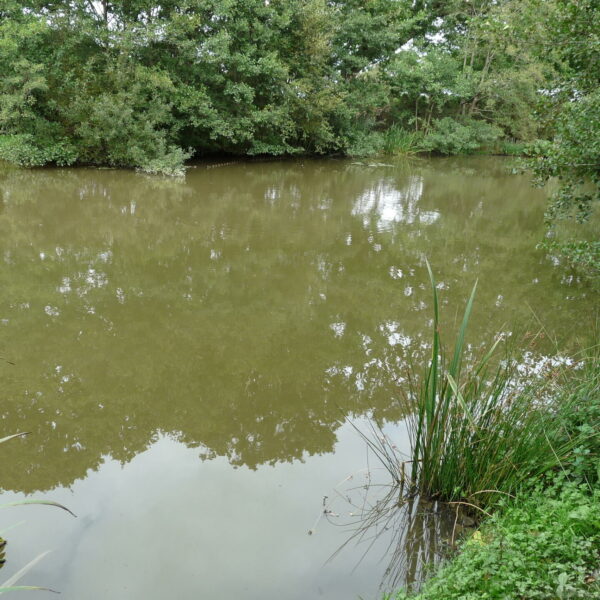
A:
449, 136
580, 418
26, 151
584, 255
511, 148
363, 143
170, 162
573, 158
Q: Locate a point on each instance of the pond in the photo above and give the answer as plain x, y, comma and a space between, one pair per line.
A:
184, 354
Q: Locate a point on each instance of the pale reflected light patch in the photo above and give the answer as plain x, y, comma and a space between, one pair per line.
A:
324, 266
272, 195
393, 205
325, 204
534, 365
338, 328
105, 257
96, 279
345, 371
65, 286
396, 338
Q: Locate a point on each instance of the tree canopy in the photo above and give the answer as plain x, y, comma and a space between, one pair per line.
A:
147, 84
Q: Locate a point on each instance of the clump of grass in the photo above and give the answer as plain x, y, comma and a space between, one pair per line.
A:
511, 148
476, 434
400, 142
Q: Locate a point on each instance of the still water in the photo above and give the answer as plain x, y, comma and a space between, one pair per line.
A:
184, 354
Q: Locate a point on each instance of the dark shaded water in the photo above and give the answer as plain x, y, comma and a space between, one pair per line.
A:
185, 351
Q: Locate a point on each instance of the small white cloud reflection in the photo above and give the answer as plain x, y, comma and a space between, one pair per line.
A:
393, 205
65, 286
394, 337
338, 328
272, 194
397, 338
535, 365
51, 311
345, 371
96, 279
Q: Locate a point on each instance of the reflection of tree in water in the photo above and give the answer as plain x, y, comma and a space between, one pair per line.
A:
244, 310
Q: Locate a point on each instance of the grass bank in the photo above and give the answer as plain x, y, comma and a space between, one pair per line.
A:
543, 541
522, 454
544, 544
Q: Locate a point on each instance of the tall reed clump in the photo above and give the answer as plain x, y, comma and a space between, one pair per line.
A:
400, 142
475, 432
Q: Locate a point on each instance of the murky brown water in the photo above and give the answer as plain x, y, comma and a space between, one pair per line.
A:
184, 352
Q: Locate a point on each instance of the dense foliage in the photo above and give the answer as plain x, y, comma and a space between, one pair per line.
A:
574, 154
140, 83
146, 84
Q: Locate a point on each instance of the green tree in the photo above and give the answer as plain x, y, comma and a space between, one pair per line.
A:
573, 157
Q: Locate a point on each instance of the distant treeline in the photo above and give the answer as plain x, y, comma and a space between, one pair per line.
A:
145, 84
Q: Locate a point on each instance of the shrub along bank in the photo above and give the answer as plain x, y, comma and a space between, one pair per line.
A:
545, 541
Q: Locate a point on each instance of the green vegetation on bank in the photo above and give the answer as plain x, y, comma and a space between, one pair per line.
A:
479, 432
542, 539
572, 157
147, 84
544, 544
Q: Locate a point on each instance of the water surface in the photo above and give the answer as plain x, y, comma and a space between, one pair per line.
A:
184, 354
